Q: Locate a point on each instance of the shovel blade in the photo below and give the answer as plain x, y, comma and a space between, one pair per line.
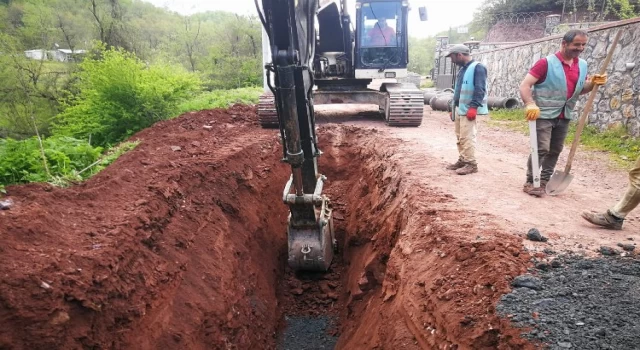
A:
558, 183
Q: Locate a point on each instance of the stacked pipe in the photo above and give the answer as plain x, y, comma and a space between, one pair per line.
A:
441, 101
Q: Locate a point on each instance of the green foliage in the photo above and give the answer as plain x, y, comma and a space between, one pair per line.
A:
234, 59
512, 119
507, 115
421, 55
119, 95
427, 84
221, 99
29, 91
113, 93
623, 147
68, 160
476, 32
21, 161
601, 9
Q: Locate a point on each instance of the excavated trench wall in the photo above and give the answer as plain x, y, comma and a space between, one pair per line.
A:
618, 102
419, 272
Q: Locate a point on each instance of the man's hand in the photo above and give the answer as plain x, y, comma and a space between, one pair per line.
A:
531, 111
472, 113
599, 79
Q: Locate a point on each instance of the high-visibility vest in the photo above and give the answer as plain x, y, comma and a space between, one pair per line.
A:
467, 89
551, 95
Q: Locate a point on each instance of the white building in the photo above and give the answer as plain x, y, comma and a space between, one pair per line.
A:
61, 55
38, 54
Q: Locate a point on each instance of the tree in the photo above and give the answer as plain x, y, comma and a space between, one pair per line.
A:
108, 16
421, 54
31, 89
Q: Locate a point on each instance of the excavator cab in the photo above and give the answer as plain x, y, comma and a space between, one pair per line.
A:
381, 49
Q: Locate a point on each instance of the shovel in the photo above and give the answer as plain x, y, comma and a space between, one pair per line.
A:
560, 180
535, 167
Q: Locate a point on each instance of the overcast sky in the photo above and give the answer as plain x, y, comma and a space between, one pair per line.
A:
442, 13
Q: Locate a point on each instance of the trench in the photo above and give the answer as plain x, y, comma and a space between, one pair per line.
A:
376, 208
196, 254
313, 303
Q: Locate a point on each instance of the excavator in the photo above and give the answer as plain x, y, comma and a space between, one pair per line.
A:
316, 58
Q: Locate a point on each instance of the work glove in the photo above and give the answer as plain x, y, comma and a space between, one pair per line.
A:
599, 79
531, 111
471, 113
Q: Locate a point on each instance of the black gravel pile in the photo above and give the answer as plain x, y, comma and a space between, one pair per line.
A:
308, 333
578, 303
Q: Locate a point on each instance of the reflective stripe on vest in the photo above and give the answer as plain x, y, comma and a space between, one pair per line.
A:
467, 89
551, 95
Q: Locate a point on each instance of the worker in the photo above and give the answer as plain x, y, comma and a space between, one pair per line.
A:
614, 217
557, 81
381, 34
469, 100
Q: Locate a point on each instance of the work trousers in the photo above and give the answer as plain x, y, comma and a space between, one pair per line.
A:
632, 196
551, 134
466, 131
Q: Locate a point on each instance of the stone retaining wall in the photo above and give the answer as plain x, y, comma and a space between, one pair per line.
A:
616, 103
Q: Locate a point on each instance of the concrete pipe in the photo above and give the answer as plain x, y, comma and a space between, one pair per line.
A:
441, 102
503, 103
428, 95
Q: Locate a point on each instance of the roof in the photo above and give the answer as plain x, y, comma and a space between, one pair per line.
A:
67, 51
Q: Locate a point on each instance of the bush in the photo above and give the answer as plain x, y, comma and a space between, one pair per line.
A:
21, 161
221, 99
119, 95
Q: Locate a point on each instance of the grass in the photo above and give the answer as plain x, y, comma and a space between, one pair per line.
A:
512, 119
221, 99
427, 84
622, 147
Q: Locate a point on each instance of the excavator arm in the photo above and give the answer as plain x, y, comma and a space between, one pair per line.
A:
290, 26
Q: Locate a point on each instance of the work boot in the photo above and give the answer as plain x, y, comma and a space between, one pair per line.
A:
467, 169
606, 220
457, 165
534, 191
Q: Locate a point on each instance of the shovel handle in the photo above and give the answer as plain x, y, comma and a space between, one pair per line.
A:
535, 167
587, 107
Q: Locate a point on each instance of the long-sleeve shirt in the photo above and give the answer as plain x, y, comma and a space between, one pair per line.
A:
479, 85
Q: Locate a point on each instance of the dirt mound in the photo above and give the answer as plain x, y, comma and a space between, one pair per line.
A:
152, 244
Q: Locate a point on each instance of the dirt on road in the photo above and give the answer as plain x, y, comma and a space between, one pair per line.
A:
181, 243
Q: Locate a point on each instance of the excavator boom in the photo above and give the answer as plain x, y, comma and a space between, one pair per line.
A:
290, 26
312, 44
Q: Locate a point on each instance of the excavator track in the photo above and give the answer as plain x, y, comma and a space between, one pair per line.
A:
267, 113
406, 105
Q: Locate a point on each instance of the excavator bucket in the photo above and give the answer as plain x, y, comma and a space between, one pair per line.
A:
311, 238
311, 248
